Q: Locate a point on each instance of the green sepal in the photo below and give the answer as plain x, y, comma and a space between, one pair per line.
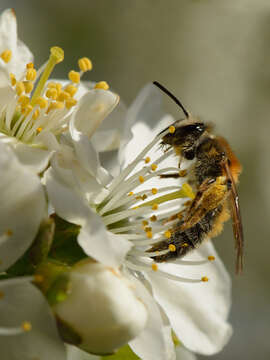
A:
38, 251
125, 353
65, 247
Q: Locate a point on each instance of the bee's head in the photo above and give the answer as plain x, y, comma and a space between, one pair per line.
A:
187, 132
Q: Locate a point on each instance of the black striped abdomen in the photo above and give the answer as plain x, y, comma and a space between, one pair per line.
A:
185, 241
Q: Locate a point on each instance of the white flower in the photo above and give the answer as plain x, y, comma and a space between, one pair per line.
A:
121, 219
27, 326
101, 308
33, 111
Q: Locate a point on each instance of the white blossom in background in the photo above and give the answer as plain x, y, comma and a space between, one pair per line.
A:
27, 326
101, 307
35, 111
122, 217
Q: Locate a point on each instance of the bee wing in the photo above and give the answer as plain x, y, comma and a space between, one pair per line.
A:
236, 220
206, 194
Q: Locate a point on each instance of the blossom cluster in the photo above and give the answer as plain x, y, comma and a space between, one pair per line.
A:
82, 202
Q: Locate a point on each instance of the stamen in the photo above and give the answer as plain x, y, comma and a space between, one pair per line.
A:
141, 179
71, 89
28, 85
102, 85
31, 74
205, 279
172, 247
85, 64
147, 160
211, 258
20, 88
41, 102
171, 129
29, 65
70, 103
154, 167
26, 326
154, 191
154, 267
56, 56
74, 76
6, 56
167, 235
12, 79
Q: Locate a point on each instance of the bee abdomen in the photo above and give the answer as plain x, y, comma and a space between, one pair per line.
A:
185, 241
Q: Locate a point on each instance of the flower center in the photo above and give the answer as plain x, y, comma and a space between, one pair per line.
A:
41, 105
149, 216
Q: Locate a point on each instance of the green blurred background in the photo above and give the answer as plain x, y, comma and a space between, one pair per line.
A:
214, 55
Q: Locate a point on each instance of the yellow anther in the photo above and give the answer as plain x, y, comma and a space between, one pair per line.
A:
58, 87
31, 74
130, 193
1, 294
145, 222
185, 245
51, 93
9, 232
36, 114
74, 76
141, 179
149, 234
27, 109
154, 267
28, 85
154, 191
148, 229
51, 85
56, 105
188, 190
71, 89
38, 278
26, 326
172, 247
211, 258
204, 279
57, 54
12, 79
167, 234
182, 173
63, 95
39, 129
85, 64
102, 85
30, 65
41, 102
70, 102
147, 160
144, 196
172, 129
24, 100
20, 88
155, 207
154, 167
6, 55
153, 218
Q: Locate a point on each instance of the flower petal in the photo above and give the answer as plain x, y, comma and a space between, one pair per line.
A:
24, 302
197, 312
21, 55
183, 354
151, 343
22, 207
93, 108
34, 158
101, 244
74, 353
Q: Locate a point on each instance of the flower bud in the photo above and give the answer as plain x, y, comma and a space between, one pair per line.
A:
101, 309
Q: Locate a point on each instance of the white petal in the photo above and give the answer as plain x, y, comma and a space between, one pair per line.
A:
21, 55
101, 244
146, 109
197, 312
68, 204
24, 302
183, 354
151, 343
34, 158
93, 107
22, 207
108, 135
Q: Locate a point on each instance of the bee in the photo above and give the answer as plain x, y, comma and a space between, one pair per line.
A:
214, 176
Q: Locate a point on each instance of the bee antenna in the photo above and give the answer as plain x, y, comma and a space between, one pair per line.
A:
174, 98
